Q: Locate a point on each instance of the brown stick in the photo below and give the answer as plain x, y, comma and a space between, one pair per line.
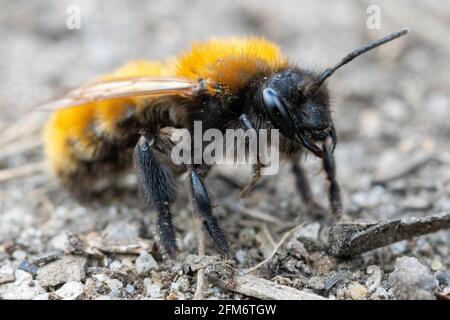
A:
224, 275
350, 239
255, 287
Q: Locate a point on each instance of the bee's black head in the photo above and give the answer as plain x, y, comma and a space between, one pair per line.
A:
299, 113
296, 101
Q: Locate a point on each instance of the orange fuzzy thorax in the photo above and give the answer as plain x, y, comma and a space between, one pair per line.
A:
231, 63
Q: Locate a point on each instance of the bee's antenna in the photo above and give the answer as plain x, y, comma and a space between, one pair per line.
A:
352, 55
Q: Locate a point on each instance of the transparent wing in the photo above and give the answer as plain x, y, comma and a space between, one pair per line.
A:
122, 88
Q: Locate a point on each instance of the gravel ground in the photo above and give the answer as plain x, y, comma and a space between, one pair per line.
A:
391, 109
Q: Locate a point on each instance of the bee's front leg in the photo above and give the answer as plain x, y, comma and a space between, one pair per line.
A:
157, 183
202, 205
304, 188
334, 190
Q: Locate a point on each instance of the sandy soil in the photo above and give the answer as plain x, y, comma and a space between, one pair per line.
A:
391, 110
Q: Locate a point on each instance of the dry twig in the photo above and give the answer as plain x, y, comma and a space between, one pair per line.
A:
349, 239
255, 287
96, 246
225, 276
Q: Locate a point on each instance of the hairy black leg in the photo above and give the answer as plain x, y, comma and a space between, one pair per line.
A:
158, 186
202, 205
305, 191
334, 190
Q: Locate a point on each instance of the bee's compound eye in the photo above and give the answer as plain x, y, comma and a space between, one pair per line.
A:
277, 112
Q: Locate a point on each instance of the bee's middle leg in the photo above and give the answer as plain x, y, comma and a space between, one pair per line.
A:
202, 205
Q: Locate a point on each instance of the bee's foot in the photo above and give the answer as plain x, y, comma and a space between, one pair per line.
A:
316, 210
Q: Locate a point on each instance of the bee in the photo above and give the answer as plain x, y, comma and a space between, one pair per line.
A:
127, 117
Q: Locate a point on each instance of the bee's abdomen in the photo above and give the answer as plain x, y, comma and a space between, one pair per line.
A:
91, 140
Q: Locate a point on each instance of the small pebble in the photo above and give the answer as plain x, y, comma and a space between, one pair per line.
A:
322, 263
19, 255
68, 268
100, 277
23, 276
116, 265
42, 296
423, 247
129, 288
24, 288
70, 290
153, 290
443, 277
316, 283
412, 280
436, 265
357, 291
28, 267
183, 284
247, 237
241, 256
340, 294
399, 247
174, 286
115, 286
309, 231
6, 274
145, 263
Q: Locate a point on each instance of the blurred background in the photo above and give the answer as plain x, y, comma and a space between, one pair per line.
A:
391, 108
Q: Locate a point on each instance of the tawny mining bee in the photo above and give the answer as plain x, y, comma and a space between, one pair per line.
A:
231, 83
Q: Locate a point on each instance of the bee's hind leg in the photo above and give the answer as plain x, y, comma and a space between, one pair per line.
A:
202, 205
157, 183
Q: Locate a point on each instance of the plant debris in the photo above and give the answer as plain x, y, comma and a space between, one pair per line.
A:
349, 239
390, 110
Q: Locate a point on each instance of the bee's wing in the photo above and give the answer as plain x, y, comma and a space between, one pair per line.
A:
122, 88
